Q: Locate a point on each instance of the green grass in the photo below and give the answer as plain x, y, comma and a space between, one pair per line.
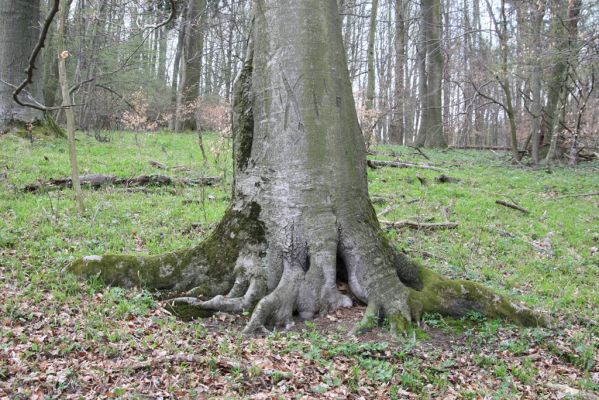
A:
497, 245
548, 259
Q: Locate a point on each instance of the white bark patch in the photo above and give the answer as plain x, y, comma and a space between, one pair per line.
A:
92, 258
165, 270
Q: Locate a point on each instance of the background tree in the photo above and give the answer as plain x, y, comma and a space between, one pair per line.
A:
191, 61
19, 30
430, 133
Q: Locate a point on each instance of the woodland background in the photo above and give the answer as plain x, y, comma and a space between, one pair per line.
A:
472, 73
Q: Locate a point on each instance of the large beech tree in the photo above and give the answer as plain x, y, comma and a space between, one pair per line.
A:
19, 30
300, 218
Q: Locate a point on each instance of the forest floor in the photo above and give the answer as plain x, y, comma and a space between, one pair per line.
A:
62, 338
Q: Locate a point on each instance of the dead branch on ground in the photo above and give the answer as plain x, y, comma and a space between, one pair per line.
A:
512, 206
96, 181
374, 164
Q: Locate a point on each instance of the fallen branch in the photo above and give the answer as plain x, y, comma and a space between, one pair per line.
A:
576, 195
374, 164
431, 226
564, 390
97, 180
158, 165
387, 210
419, 151
512, 206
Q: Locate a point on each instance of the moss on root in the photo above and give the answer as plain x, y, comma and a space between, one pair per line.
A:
207, 268
456, 298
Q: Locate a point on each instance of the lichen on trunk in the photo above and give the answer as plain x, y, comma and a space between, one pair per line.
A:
300, 216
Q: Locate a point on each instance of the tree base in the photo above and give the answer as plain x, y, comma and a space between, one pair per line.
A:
228, 272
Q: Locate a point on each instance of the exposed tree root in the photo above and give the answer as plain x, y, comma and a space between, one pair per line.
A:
230, 272
204, 271
456, 298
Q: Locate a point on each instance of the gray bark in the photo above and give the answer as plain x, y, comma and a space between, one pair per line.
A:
397, 129
19, 30
536, 77
431, 125
370, 88
566, 53
192, 57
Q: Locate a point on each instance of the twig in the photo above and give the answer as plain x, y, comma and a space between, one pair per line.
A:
387, 210
374, 164
576, 195
431, 226
511, 205
419, 151
158, 165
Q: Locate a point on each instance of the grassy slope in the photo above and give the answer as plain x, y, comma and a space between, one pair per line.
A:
503, 248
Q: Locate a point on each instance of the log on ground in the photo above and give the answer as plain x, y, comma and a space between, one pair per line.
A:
96, 181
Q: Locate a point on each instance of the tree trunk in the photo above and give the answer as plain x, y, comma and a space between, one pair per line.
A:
538, 13
506, 84
566, 54
192, 57
66, 102
300, 217
431, 132
50, 69
19, 30
175, 84
397, 129
370, 92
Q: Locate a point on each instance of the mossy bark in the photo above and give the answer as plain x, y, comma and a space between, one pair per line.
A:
207, 268
300, 217
457, 298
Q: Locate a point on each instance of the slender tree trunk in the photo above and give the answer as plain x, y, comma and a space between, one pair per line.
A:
537, 107
19, 30
176, 81
162, 54
397, 130
431, 132
423, 117
66, 102
192, 57
370, 88
506, 84
566, 27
